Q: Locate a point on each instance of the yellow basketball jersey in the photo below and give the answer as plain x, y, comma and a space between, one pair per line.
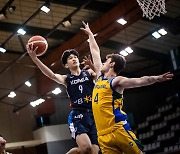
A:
107, 105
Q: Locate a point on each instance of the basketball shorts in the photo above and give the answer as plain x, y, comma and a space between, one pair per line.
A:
82, 121
119, 141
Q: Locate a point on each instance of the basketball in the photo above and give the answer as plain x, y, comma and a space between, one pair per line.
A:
40, 42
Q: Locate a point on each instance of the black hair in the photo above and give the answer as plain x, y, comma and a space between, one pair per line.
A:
119, 60
66, 54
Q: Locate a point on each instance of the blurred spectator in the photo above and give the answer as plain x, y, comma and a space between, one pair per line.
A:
2, 145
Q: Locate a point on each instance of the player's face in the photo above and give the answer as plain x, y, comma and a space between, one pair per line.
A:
106, 65
72, 61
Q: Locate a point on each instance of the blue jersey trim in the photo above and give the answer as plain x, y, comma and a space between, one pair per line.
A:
119, 116
70, 117
127, 127
111, 84
117, 112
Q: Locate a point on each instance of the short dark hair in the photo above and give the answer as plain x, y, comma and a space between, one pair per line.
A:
119, 60
67, 53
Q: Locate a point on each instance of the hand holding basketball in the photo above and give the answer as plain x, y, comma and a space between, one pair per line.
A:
31, 52
38, 45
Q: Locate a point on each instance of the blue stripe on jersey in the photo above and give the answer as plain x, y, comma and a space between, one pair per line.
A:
70, 117
111, 84
119, 116
127, 126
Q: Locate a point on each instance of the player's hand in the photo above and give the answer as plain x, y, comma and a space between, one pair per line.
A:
165, 77
86, 28
31, 52
87, 62
2, 144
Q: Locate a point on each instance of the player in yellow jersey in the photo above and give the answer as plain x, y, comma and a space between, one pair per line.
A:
114, 133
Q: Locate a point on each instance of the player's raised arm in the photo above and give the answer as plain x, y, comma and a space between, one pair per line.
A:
94, 49
44, 69
142, 81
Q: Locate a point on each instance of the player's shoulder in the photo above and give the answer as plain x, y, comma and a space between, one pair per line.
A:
88, 70
118, 79
61, 79
61, 76
91, 72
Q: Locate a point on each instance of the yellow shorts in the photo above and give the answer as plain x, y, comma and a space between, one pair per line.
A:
119, 142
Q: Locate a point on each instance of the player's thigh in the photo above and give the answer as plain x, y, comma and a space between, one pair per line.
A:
108, 145
83, 141
110, 150
93, 135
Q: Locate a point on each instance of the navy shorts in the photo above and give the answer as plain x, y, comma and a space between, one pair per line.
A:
82, 121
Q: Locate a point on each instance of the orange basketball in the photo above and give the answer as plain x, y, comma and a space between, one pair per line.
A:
40, 42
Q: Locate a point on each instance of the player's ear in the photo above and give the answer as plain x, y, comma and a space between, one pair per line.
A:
66, 66
112, 64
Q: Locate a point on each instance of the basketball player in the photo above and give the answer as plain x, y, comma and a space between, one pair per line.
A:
79, 84
114, 133
2, 145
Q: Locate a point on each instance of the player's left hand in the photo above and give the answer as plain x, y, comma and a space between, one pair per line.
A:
165, 77
87, 62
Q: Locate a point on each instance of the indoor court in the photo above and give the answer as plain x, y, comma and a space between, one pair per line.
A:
34, 110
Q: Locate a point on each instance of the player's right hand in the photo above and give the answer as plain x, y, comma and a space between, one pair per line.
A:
86, 28
31, 52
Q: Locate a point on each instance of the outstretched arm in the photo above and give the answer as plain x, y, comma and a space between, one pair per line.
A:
44, 69
125, 83
94, 49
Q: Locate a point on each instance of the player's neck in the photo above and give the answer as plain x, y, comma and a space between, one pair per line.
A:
110, 74
76, 71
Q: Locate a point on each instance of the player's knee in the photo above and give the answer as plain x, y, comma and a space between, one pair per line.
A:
86, 149
74, 151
